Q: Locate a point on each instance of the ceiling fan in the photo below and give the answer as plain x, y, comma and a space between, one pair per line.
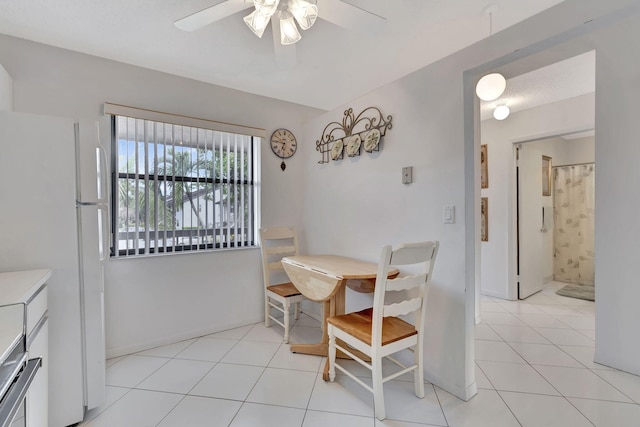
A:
283, 15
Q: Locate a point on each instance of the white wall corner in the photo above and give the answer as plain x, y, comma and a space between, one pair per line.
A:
470, 391
458, 390
6, 90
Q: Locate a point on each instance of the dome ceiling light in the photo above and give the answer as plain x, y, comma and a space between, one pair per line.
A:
491, 86
501, 112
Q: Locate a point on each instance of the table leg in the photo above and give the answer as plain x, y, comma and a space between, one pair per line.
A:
321, 348
332, 307
338, 307
335, 306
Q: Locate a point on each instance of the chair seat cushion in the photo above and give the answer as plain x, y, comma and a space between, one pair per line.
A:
284, 290
358, 324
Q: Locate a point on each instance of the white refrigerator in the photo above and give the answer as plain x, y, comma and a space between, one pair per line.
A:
54, 214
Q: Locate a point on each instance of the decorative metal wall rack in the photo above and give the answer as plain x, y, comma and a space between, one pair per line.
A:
355, 133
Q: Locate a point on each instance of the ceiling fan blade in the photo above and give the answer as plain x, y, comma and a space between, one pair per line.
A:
350, 17
212, 14
286, 56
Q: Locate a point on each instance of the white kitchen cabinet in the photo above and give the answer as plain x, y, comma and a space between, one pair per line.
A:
30, 288
38, 346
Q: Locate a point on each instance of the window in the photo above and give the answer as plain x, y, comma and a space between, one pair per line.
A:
181, 188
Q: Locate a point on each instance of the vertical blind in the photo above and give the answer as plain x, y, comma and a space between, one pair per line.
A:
181, 188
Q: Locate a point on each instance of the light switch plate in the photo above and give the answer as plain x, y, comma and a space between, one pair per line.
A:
407, 175
449, 214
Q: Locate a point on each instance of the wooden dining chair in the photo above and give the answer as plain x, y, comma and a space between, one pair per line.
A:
379, 332
275, 244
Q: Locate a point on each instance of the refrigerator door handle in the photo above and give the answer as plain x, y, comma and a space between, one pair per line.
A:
101, 165
103, 231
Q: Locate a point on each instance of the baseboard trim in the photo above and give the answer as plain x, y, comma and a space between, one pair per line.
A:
146, 345
496, 295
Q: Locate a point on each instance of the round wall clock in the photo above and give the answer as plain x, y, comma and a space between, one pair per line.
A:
283, 144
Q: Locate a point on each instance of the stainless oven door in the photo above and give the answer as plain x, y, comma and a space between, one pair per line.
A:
12, 403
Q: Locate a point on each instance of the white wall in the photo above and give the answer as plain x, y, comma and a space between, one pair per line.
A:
572, 115
156, 300
356, 205
617, 202
575, 151
6, 90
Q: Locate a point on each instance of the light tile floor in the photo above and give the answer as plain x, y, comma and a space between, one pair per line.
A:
534, 367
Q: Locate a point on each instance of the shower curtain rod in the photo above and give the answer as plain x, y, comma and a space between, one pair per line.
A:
575, 164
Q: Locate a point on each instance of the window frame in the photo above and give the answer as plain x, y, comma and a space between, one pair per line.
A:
222, 237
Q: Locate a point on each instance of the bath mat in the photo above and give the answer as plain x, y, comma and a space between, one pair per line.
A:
578, 291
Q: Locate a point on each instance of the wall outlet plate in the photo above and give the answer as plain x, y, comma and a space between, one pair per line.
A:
407, 175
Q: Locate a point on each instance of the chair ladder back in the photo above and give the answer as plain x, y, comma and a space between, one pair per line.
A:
274, 266
277, 233
401, 308
275, 253
281, 250
420, 255
413, 253
406, 282
275, 244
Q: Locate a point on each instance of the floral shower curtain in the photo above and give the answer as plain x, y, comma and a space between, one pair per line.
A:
573, 238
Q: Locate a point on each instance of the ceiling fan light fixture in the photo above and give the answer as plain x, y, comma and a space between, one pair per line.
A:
257, 21
491, 86
266, 7
288, 31
305, 13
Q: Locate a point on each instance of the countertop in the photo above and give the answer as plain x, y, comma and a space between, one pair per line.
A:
18, 286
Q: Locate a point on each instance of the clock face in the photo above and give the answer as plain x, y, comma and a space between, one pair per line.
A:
283, 143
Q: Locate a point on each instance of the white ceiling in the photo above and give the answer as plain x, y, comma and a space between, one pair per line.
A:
563, 80
334, 64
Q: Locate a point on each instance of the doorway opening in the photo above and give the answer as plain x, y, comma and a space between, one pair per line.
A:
563, 106
554, 225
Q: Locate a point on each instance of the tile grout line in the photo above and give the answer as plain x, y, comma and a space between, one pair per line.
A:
583, 366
